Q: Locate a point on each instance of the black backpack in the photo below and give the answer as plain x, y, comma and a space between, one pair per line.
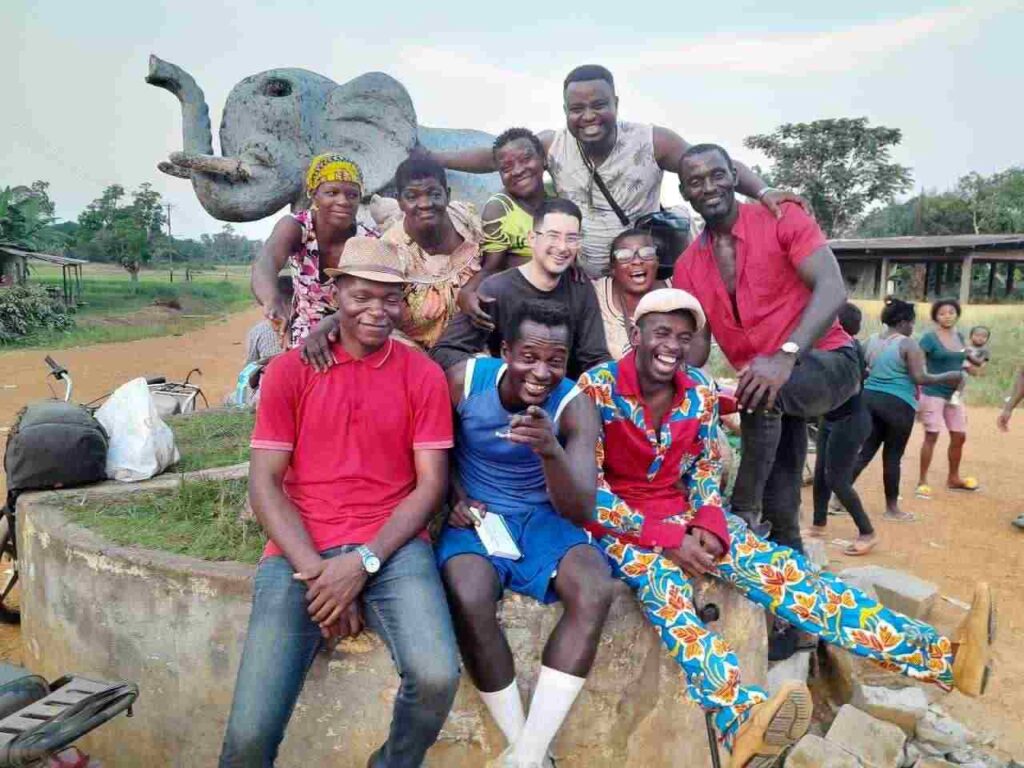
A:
54, 444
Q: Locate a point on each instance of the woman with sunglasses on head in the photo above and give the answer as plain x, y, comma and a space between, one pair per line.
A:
631, 274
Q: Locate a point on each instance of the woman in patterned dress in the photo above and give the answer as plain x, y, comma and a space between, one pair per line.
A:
308, 242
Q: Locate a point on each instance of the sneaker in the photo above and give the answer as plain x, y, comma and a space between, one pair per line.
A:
772, 727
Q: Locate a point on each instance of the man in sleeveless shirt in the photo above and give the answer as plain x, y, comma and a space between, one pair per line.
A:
525, 456
629, 157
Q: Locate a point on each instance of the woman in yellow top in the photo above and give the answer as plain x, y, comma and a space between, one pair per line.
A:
508, 216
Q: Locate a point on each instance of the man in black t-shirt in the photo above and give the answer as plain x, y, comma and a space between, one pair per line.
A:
555, 241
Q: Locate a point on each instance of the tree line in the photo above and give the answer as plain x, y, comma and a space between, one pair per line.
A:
120, 226
843, 166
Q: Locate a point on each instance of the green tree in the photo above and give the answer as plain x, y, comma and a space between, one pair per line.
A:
24, 220
842, 166
996, 202
926, 214
126, 233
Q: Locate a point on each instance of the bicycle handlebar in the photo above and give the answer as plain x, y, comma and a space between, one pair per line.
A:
56, 369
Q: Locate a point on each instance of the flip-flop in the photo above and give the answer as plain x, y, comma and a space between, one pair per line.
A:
817, 532
858, 548
969, 485
923, 492
905, 517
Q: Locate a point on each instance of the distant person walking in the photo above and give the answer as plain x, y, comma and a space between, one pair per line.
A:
945, 351
896, 365
841, 434
1004, 421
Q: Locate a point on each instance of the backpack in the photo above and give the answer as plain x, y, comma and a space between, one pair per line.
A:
54, 444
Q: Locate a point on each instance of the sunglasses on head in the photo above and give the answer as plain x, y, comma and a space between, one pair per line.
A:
625, 255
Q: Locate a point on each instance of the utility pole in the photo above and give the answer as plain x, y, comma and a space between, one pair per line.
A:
170, 244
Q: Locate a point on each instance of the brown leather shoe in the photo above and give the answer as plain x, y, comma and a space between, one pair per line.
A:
970, 665
772, 726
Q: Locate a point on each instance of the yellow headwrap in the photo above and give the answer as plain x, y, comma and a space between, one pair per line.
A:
332, 167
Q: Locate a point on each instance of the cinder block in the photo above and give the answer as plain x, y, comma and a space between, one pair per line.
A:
816, 752
901, 706
897, 590
876, 743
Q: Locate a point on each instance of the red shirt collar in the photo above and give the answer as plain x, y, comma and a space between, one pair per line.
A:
739, 227
627, 380
375, 359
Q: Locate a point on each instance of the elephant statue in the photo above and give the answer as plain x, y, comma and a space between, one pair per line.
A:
275, 122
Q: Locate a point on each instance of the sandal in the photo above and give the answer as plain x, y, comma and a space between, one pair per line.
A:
817, 532
858, 548
902, 517
923, 492
967, 484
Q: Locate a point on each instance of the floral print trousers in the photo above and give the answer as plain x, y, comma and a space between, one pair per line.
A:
788, 585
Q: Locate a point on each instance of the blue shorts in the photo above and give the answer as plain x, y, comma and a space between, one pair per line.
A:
544, 538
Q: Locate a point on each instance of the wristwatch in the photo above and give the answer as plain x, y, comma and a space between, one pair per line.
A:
371, 563
791, 348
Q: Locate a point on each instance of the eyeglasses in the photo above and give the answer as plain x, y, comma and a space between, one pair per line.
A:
625, 255
573, 241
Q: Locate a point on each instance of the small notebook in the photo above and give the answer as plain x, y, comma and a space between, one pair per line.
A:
495, 537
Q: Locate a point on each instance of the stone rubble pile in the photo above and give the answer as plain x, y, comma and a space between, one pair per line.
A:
885, 720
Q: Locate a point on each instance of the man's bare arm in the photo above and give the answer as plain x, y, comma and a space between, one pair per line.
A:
414, 511
819, 272
275, 511
479, 159
571, 472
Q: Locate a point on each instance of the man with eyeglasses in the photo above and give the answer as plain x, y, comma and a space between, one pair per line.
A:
555, 241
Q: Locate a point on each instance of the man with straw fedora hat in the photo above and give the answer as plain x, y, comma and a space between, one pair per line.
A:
347, 467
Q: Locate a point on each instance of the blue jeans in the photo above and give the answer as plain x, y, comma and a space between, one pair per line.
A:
774, 443
404, 603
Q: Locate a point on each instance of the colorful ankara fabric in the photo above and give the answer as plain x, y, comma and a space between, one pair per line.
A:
770, 295
777, 578
434, 279
508, 232
332, 167
314, 292
640, 472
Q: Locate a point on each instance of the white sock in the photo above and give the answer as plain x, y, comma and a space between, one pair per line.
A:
552, 699
506, 708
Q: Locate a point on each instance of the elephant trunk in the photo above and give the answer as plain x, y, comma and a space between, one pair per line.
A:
196, 134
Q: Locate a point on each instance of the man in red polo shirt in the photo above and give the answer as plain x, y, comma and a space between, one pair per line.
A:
771, 288
347, 467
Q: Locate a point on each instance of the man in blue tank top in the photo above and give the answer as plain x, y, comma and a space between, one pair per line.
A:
525, 451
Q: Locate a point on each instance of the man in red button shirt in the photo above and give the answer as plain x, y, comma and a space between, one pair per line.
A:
347, 467
771, 288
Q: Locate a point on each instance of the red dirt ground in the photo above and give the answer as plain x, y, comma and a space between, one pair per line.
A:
957, 539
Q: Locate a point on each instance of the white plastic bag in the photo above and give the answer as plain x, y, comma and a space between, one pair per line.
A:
141, 444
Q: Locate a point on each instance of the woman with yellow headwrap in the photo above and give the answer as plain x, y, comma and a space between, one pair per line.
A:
309, 242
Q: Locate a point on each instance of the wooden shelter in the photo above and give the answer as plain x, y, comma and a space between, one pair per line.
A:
71, 270
949, 262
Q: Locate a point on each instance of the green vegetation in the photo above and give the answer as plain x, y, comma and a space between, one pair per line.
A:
842, 167
27, 307
199, 518
119, 309
218, 438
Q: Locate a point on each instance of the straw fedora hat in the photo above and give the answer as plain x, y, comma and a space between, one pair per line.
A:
371, 259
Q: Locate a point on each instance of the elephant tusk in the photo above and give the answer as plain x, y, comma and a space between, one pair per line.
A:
231, 168
174, 170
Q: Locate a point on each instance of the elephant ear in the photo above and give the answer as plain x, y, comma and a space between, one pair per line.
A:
371, 120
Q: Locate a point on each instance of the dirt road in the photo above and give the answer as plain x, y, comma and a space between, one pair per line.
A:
957, 539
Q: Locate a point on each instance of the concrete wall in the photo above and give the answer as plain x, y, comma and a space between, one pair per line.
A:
175, 626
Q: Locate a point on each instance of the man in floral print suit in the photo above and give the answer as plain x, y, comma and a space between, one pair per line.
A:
659, 518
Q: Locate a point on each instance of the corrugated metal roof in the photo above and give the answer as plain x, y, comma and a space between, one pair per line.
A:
929, 243
50, 258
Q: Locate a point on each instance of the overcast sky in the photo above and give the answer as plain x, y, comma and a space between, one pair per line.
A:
77, 112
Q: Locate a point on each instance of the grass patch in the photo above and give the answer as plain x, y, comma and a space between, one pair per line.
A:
995, 381
199, 518
217, 438
115, 309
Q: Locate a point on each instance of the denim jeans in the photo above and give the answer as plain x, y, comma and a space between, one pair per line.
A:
404, 603
774, 443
